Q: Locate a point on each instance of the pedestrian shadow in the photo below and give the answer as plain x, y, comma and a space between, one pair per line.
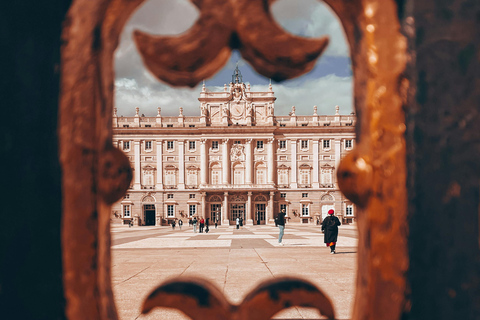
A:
345, 252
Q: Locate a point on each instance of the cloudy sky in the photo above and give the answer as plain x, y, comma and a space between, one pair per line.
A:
327, 85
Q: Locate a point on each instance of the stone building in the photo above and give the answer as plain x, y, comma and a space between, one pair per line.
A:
237, 159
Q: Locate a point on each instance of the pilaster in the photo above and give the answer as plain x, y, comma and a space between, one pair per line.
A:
249, 162
159, 185
315, 174
249, 209
136, 148
271, 165
203, 162
181, 165
225, 162
225, 220
293, 164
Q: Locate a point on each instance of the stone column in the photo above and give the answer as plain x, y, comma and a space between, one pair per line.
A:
270, 162
271, 210
249, 209
225, 220
203, 162
337, 160
293, 165
315, 183
136, 148
225, 162
159, 185
204, 205
181, 165
249, 162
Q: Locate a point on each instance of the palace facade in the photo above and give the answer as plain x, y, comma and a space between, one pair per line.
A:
237, 159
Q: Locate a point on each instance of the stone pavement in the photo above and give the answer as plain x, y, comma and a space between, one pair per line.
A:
235, 260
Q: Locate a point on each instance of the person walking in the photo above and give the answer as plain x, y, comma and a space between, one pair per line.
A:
330, 229
237, 222
207, 222
202, 224
173, 224
216, 224
194, 222
241, 223
180, 224
280, 222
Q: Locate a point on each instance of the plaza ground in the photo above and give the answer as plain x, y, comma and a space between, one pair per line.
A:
234, 260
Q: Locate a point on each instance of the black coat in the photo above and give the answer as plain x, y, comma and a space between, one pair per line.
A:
330, 229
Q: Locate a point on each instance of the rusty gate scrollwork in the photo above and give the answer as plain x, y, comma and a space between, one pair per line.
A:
95, 174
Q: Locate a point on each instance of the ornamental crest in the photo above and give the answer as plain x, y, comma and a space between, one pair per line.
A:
236, 153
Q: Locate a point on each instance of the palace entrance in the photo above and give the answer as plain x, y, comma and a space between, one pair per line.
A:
259, 213
215, 213
149, 214
237, 210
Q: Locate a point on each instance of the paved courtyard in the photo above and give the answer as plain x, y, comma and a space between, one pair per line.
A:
234, 260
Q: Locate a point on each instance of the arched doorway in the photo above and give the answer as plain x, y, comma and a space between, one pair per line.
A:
260, 205
149, 211
327, 203
215, 207
237, 209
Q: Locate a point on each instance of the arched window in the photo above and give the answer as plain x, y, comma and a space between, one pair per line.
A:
260, 174
216, 174
238, 174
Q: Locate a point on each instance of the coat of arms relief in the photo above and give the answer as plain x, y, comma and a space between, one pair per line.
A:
237, 153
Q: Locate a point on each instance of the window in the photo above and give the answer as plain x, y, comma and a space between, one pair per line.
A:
127, 196
326, 177
192, 178
148, 145
148, 126
304, 144
304, 209
169, 145
191, 195
148, 178
260, 176
259, 144
237, 142
169, 125
192, 209
125, 125
304, 124
283, 177
216, 177
126, 145
349, 210
305, 177
215, 145
348, 143
126, 211
282, 124
326, 144
170, 210
191, 126
238, 173
170, 178
191, 145
283, 195
169, 195
282, 144
304, 195
283, 206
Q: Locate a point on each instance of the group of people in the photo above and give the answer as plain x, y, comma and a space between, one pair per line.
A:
329, 227
203, 224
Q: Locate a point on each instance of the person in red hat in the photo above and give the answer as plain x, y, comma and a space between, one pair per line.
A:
330, 229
